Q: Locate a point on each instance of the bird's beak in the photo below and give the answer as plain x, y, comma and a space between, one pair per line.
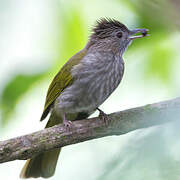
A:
143, 33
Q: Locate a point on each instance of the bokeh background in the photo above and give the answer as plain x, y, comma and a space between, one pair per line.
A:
38, 36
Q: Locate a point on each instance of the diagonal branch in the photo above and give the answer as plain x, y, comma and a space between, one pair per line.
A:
27, 146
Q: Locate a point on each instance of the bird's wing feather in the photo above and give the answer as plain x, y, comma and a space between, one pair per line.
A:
62, 80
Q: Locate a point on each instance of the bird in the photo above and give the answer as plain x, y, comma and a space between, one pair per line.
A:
85, 81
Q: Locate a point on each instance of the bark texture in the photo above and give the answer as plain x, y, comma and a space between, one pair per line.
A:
122, 122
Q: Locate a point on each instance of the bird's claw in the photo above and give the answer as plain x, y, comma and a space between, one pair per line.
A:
103, 116
68, 124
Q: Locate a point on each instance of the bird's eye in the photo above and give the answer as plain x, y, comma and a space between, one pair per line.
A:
119, 34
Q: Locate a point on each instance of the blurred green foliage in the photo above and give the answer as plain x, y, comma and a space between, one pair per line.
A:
135, 162
13, 91
73, 23
160, 62
156, 16
74, 35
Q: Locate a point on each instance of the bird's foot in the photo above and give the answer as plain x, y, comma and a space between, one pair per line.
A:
103, 116
67, 124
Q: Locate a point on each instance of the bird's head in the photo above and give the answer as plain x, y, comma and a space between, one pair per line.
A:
113, 34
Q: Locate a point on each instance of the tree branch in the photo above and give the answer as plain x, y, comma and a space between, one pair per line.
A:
122, 122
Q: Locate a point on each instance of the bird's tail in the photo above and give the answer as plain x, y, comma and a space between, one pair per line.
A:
44, 164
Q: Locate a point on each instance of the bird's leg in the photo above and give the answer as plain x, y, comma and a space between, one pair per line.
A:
67, 124
103, 116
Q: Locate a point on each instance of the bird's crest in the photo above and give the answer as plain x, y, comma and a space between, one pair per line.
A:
105, 26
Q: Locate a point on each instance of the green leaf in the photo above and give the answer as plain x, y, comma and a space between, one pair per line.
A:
159, 63
13, 91
73, 35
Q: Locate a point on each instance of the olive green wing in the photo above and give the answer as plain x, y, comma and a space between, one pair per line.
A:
62, 80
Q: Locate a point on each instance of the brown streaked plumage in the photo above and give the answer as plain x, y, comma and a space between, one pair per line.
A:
83, 84
62, 80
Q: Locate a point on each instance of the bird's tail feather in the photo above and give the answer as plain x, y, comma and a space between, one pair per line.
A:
44, 164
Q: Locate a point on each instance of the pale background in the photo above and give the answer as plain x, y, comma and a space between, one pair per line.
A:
38, 36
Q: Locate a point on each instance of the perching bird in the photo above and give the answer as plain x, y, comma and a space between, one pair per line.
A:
83, 84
